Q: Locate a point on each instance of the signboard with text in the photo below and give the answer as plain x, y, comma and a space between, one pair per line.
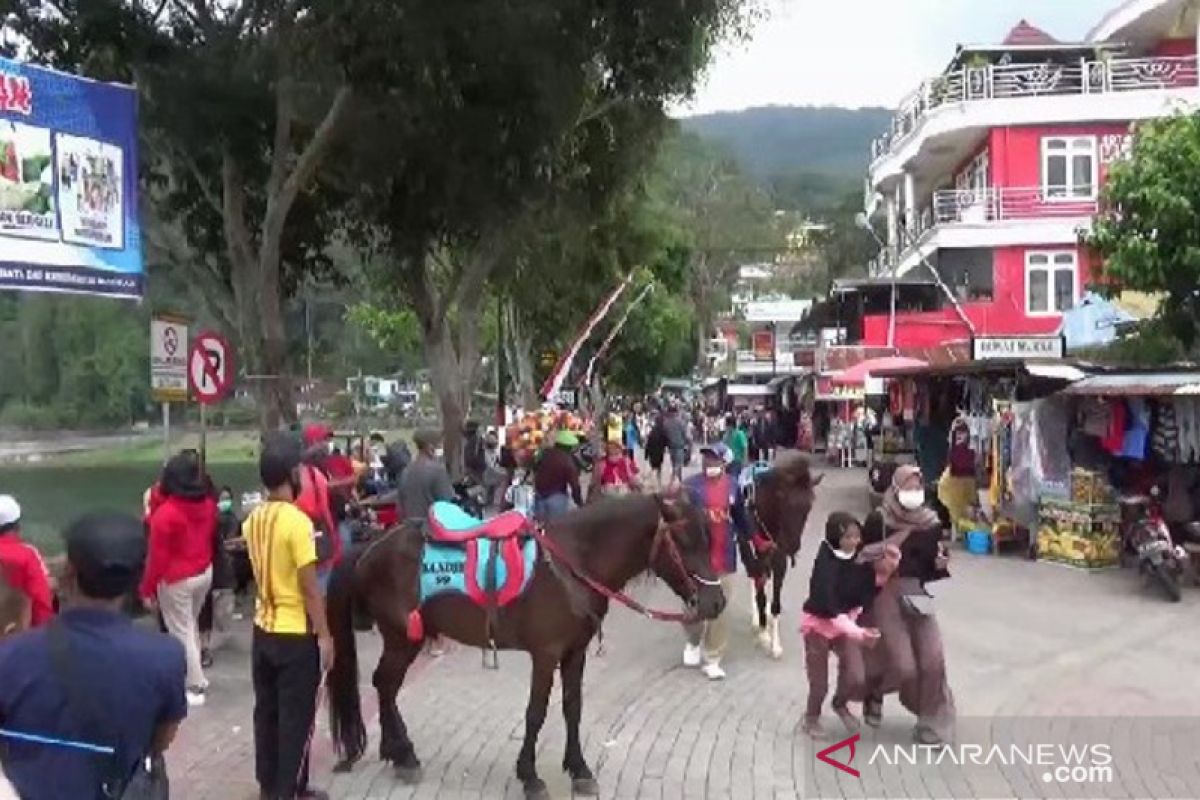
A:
68, 184
995, 348
168, 359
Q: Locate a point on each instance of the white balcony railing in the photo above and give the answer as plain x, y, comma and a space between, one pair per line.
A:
983, 207
974, 84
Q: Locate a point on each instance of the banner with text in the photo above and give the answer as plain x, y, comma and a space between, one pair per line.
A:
68, 184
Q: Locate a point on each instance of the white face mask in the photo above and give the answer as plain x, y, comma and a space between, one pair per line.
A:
844, 556
911, 499
713, 472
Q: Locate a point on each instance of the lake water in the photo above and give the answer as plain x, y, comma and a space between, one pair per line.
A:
52, 496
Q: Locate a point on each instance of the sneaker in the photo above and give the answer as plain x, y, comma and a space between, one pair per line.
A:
691, 655
712, 670
195, 697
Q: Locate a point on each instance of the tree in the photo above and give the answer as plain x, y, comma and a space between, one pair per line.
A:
727, 221
1147, 234
492, 112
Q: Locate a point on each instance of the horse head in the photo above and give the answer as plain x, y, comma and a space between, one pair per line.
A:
783, 499
680, 556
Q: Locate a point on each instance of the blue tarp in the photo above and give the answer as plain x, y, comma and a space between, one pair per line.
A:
1093, 322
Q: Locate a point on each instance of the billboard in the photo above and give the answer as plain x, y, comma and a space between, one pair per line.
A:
68, 184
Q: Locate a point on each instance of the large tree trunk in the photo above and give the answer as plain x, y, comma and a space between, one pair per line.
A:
520, 350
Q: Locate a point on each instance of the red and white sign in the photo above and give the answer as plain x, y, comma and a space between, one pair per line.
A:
210, 368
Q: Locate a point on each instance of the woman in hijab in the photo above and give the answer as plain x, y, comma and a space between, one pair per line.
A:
911, 658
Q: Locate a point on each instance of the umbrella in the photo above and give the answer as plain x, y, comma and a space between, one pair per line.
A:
858, 374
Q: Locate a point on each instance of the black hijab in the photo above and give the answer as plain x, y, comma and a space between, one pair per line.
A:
838, 585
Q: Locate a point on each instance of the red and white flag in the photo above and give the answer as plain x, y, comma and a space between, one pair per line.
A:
555, 381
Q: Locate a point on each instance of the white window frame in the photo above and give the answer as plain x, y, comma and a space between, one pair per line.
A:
1069, 152
1050, 267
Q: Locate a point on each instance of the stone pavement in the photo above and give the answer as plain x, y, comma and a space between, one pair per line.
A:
1023, 640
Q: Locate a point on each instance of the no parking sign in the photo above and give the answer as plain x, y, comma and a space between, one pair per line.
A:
210, 368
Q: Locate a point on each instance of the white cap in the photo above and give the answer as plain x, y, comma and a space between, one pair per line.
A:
10, 510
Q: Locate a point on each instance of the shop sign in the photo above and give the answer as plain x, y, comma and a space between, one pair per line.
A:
996, 348
764, 345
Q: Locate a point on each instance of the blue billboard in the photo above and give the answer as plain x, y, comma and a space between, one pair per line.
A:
68, 184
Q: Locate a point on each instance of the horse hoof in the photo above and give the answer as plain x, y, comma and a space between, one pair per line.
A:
409, 775
536, 790
585, 787
764, 640
776, 652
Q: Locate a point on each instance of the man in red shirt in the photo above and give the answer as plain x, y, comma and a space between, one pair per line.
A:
22, 563
315, 501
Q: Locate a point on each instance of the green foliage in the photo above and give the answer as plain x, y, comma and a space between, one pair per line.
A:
74, 363
1151, 344
1148, 232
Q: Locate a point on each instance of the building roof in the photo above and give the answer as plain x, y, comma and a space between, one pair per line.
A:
1051, 370
1025, 34
1139, 384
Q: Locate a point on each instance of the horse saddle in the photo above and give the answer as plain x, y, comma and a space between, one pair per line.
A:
489, 561
449, 524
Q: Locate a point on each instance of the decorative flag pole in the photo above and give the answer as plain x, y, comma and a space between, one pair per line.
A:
612, 335
555, 381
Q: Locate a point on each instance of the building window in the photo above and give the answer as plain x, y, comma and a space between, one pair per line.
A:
1069, 167
1050, 281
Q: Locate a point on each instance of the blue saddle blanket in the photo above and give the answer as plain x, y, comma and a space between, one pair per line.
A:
462, 569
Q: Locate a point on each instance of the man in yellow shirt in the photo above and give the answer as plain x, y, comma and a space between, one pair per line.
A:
292, 648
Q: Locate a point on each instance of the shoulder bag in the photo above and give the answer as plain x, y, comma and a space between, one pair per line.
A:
148, 781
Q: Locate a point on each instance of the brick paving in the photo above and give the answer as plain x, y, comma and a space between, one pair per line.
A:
1023, 640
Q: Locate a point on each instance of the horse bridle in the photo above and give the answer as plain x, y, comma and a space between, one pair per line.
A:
663, 534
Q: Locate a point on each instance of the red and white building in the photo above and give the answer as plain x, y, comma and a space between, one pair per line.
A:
991, 169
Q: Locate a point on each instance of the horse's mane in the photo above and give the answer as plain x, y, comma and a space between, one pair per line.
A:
792, 469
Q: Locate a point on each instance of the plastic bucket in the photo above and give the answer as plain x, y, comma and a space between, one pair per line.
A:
979, 542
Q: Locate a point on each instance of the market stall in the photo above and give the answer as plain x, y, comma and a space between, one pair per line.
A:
970, 426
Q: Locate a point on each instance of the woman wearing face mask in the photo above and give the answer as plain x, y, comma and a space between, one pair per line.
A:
911, 658
217, 603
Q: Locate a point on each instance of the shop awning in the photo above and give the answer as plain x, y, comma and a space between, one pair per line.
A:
748, 390
858, 374
1138, 384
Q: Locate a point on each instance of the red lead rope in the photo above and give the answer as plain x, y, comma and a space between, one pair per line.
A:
552, 547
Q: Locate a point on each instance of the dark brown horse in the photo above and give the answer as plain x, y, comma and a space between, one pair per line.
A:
555, 618
776, 512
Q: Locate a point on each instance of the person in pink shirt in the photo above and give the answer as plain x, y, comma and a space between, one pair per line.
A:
842, 585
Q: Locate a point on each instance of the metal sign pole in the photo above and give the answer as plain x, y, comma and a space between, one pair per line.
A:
166, 416
203, 437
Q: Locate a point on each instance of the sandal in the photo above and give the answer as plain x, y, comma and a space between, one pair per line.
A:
873, 711
847, 717
812, 727
927, 736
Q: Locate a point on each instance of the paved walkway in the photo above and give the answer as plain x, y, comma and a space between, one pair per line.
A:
1024, 640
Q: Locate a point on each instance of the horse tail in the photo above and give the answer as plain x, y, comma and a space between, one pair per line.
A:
345, 704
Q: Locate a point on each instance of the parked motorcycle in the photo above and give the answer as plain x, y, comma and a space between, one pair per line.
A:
1148, 539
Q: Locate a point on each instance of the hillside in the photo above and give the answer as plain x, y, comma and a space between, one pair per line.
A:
810, 157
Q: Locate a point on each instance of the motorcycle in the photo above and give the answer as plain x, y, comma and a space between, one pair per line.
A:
1149, 540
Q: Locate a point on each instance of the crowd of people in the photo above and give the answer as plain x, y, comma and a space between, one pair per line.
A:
192, 552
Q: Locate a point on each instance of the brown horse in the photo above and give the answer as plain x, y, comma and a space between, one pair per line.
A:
590, 555
776, 512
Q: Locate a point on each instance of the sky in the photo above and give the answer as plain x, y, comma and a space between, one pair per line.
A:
867, 52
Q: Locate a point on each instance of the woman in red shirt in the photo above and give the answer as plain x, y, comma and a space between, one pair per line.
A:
178, 570
618, 473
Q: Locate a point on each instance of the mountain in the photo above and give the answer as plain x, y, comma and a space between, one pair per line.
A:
809, 157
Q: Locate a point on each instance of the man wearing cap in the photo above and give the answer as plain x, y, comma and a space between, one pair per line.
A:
715, 491
556, 478
90, 676
291, 648
425, 481
22, 563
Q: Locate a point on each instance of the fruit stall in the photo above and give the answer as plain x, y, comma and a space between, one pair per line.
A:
1083, 529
